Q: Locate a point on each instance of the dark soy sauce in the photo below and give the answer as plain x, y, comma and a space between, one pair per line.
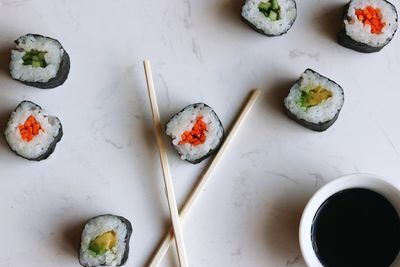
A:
356, 228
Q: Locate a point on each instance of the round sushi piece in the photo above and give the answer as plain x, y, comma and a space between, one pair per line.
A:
105, 241
31, 132
314, 101
270, 17
369, 25
196, 132
39, 61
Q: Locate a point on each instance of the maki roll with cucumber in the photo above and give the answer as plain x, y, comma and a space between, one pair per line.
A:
270, 17
31, 132
105, 241
196, 132
39, 61
314, 101
368, 25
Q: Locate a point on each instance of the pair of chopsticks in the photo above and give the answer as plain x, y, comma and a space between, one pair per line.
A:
176, 221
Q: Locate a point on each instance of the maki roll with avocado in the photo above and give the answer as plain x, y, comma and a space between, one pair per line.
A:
369, 25
270, 17
196, 132
314, 101
31, 132
39, 61
105, 241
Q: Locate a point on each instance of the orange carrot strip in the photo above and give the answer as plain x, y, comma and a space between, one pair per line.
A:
29, 129
196, 136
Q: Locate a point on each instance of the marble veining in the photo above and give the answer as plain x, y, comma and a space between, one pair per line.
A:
293, 54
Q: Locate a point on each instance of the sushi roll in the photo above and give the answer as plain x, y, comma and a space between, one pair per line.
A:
39, 61
105, 241
31, 132
270, 17
314, 101
196, 132
369, 25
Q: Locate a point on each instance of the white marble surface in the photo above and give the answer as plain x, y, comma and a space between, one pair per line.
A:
107, 161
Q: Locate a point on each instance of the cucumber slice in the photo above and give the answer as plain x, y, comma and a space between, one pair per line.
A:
270, 9
275, 5
264, 6
34, 58
273, 15
41, 56
36, 64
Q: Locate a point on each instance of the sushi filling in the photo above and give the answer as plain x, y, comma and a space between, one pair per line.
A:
197, 135
35, 58
371, 17
270, 9
313, 97
29, 129
102, 243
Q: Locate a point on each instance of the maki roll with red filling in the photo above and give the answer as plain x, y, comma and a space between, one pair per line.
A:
39, 61
196, 132
31, 132
314, 101
270, 17
368, 25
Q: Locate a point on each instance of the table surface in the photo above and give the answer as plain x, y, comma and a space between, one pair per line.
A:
107, 161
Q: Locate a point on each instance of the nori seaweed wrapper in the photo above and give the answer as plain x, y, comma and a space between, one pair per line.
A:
212, 151
318, 127
346, 41
127, 238
62, 73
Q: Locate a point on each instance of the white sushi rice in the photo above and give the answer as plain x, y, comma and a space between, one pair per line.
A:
253, 15
184, 121
362, 33
322, 112
97, 227
50, 127
27, 73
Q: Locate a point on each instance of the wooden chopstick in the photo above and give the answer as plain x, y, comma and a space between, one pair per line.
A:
176, 226
163, 248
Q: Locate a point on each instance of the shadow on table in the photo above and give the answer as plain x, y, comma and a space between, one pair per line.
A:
282, 228
71, 235
5, 54
276, 94
328, 21
4, 116
231, 10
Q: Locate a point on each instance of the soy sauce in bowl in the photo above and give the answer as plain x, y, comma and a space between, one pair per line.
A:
356, 228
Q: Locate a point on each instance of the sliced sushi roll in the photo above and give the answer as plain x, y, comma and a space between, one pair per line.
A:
270, 17
39, 61
369, 25
196, 132
31, 132
314, 101
105, 241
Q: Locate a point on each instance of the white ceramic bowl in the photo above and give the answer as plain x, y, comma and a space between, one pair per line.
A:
361, 180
